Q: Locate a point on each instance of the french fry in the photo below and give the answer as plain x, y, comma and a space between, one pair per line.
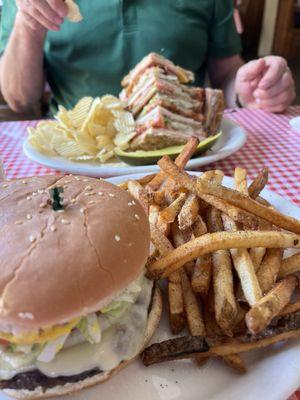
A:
188, 213
170, 213
181, 161
193, 311
175, 295
225, 304
215, 176
290, 309
244, 267
154, 219
268, 271
240, 179
199, 228
211, 242
201, 275
259, 183
257, 254
143, 181
179, 238
231, 196
290, 265
139, 193
246, 203
270, 305
235, 361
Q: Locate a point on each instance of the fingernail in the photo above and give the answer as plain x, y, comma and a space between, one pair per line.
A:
256, 93
258, 100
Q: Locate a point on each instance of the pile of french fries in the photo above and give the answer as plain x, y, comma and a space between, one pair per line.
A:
222, 253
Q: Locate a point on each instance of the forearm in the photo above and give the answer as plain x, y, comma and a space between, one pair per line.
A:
228, 87
21, 67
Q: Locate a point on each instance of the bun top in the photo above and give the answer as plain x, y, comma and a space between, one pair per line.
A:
56, 266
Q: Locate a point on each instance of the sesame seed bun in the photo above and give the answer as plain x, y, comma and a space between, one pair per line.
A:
57, 266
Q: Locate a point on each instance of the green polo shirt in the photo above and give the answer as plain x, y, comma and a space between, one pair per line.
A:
91, 57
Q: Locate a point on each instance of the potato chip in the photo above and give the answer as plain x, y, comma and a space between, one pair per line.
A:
74, 14
89, 131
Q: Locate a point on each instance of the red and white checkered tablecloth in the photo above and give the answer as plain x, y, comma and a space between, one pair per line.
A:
271, 142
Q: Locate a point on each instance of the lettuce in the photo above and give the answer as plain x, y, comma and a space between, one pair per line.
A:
90, 328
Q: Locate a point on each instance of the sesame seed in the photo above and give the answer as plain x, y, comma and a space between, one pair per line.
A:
5, 185
91, 202
41, 191
88, 187
60, 211
26, 315
112, 195
28, 197
100, 193
130, 244
19, 222
43, 205
34, 194
29, 216
77, 178
133, 202
89, 193
136, 216
32, 239
65, 222
82, 210
117, 238
24, 182
52, 228
130, 204
73, 200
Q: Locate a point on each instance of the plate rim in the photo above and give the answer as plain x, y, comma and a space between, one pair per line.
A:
235, 130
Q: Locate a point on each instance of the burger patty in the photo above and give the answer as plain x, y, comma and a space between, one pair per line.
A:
34, 379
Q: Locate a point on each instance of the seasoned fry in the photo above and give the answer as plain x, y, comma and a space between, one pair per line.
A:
259, 183
199, 227
290, 265
268, 271
181, 161
240, 179
176, 308
246, 203
236, 362
175, 295
201, 275
269, 306
170, 213
244, 267
290, 309
193, 312
235, 213
189, 212
179, 238
143, 181
257, 254
154, 219
139, 193
215, 176
225, 304
211, 242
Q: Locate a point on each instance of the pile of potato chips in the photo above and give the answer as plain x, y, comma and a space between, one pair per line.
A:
89, 132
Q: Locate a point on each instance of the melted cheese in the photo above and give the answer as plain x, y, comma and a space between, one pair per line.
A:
121, 340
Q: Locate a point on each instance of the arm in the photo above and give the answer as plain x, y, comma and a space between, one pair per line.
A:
222, 73
21, 66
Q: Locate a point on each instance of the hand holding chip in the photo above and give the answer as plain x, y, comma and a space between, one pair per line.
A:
47, 14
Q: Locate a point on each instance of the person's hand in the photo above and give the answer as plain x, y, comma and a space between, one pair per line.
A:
42, 14
266, 83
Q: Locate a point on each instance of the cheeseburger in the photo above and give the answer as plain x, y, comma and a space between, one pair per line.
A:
75, 304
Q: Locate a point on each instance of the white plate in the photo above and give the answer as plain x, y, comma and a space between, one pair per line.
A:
232, 140
274, 373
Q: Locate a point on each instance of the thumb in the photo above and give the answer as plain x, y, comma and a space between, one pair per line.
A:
252, 70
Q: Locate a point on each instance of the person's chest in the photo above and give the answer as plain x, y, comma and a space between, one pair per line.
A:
115, 34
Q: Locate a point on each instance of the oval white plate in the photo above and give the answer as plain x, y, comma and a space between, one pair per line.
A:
273, 373
232, 140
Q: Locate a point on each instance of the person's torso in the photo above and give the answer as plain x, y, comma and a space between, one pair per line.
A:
91, 57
